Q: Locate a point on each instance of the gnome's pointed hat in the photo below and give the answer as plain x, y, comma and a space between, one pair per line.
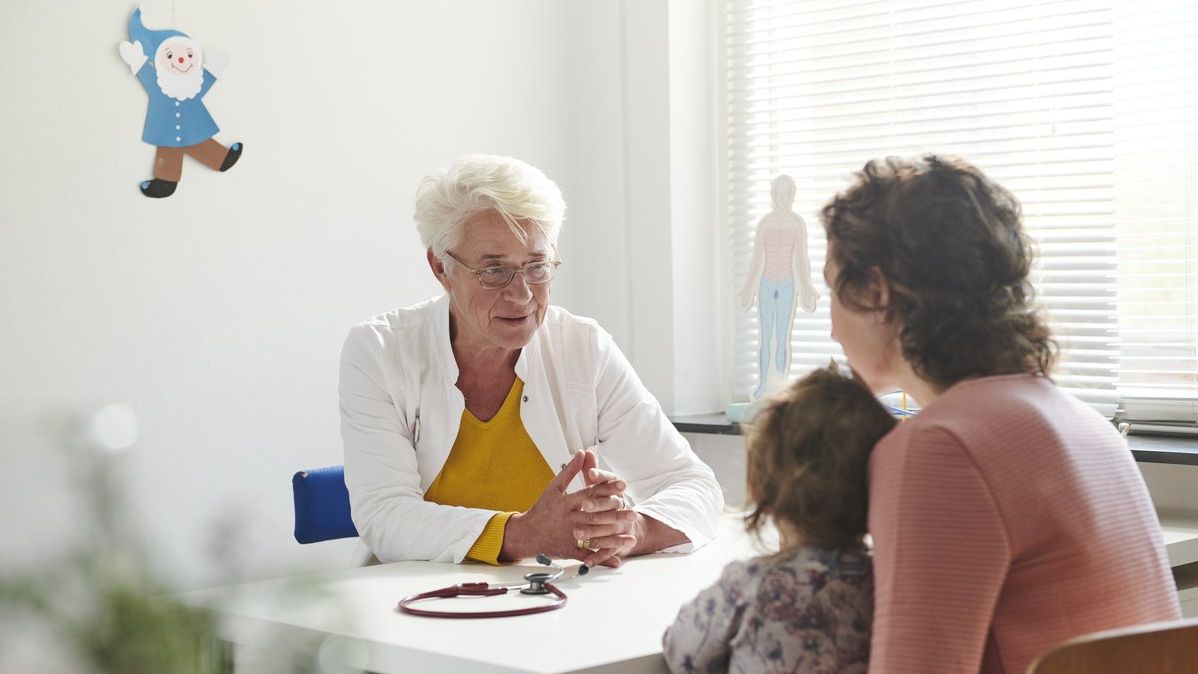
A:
150, 39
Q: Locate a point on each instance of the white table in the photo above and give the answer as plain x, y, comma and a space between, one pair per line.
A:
612, 623
613, 620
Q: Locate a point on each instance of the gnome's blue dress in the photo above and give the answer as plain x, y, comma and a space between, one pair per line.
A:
175, 123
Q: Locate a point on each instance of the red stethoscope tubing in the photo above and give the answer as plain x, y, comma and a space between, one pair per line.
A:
477, 590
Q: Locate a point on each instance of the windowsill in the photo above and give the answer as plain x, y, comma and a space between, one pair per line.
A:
1164, 448
711, 424
1181, 450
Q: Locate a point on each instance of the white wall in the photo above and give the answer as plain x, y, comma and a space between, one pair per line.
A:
218, 313
696, 234
658, 276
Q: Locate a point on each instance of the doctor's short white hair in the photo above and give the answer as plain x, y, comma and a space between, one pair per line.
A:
476, 183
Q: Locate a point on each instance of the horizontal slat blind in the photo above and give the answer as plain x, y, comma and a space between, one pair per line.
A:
1028, 91
1156, 77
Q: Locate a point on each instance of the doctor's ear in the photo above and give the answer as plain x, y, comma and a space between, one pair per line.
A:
438, 268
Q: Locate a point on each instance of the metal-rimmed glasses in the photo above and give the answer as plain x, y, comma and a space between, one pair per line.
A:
494, 278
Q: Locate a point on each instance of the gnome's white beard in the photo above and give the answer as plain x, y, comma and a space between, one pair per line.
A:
181, 86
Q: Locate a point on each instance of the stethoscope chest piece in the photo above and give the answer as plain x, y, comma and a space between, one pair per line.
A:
536, 583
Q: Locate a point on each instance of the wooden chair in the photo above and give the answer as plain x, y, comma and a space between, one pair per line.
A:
1155, 648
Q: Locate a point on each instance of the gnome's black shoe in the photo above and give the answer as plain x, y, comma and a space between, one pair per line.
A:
232, 157
157, 188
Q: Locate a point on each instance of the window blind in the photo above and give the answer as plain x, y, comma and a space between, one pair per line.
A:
1156, 77
1061, 102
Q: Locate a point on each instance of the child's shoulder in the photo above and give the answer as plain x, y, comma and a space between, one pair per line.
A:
830, 560
745, 572
801, 564
813, 582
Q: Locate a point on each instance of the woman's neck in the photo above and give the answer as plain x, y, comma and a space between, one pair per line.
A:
922, 390
483, 363
485, 376
476, 358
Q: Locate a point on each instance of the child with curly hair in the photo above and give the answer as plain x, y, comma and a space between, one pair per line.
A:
809, 607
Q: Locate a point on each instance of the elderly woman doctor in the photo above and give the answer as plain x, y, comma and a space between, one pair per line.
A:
473, 423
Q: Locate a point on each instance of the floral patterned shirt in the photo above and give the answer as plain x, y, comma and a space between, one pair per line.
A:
805, 610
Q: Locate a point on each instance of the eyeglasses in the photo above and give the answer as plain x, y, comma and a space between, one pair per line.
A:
494, 278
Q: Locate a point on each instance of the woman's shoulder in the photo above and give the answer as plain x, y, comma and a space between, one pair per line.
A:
560, 316
1003, 390
396, 328
565, 329
976, 420
985, 404
401, 319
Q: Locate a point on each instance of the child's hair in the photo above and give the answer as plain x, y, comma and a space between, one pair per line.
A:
808, 458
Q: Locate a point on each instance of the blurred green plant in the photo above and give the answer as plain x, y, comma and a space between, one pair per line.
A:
103, 608
103, 605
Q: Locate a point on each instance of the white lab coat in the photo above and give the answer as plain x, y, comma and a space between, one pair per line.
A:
401, 409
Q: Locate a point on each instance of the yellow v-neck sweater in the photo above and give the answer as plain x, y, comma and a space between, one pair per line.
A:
493, 465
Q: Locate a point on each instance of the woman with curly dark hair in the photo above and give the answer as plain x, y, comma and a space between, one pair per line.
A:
1007, 516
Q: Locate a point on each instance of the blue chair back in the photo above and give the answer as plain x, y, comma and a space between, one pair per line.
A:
321, 505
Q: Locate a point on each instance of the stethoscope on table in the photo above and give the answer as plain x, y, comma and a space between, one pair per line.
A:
537, 583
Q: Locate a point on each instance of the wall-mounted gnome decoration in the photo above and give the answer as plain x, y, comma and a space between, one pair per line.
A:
176, 73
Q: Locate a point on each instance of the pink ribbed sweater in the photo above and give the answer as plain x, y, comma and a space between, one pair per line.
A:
1007, 517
